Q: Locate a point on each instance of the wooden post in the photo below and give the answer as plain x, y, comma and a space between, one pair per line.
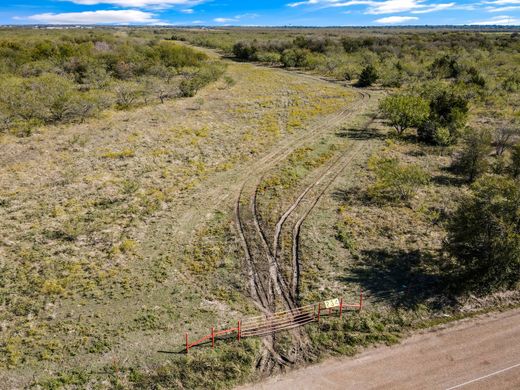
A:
213, 337
319, 311
187, 345
341, 308
360, 299
239, 335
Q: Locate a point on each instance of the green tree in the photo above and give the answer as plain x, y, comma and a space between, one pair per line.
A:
368, 76
395, 181
484, 234
404, 111
473, 161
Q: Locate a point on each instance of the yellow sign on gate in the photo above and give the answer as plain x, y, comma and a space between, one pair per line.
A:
331, 303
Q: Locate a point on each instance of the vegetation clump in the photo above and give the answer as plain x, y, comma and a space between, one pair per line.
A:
484, 235
395, 181
58, 79
405, 111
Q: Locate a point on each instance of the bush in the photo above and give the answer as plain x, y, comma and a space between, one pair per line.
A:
269, 57
431, 133
127, 93
473, 162
484, 235
514, 168
449, 109
395, 181
404, 111
448, 115
245, 51
295, 58
368, 76
446, 67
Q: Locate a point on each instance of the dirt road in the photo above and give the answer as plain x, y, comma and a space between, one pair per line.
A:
481, 353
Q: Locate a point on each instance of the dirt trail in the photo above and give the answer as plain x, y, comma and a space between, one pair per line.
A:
479, 353
261, 255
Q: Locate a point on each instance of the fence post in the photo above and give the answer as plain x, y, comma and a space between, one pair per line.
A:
187, 345
319, 311
213, 337
341, 308
360, 299
239, 335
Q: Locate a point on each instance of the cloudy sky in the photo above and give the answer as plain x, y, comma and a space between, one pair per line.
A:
261, 12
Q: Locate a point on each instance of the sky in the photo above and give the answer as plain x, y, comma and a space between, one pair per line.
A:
261, 12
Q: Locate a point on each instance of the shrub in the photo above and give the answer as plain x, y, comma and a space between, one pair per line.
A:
295, 58
484, 234
446, 67
449, 109
448, 115
431, 133
127, 93
368, 76
395, 181
472, 162
245, 51
515, 161
404, 111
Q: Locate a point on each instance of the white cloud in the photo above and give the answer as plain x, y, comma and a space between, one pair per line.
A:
97, 17
225, 20
141, 3
187, 11
502, 20
434, 8
236, 18
502, 9
502, 2
382, 7
396, 19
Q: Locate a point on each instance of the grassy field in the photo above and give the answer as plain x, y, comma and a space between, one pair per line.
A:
119, 232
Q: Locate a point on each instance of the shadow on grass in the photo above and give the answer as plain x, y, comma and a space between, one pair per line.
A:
352, 196
359, 134
401, 279
449, 181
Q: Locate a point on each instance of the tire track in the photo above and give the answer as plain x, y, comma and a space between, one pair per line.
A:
296, 264
254, 240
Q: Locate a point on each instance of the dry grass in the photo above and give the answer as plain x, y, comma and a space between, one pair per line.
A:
103, 248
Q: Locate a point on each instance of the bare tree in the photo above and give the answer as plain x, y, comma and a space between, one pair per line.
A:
503, 137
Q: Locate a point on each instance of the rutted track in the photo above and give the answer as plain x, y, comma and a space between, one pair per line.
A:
266, 279
335, 172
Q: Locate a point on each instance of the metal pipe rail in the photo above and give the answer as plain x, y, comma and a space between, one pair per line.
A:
279, 321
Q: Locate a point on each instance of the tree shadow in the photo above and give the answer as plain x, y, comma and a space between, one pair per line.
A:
359, 134
399, 278
449, 181
352, 196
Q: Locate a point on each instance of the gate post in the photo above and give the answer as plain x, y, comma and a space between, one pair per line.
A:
213, 337
341, 308
187, 345
319, 311
360, 299
239, 335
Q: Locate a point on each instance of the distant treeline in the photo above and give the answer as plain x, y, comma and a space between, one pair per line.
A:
399, 57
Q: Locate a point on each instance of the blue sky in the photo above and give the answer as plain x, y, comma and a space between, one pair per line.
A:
261, 12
